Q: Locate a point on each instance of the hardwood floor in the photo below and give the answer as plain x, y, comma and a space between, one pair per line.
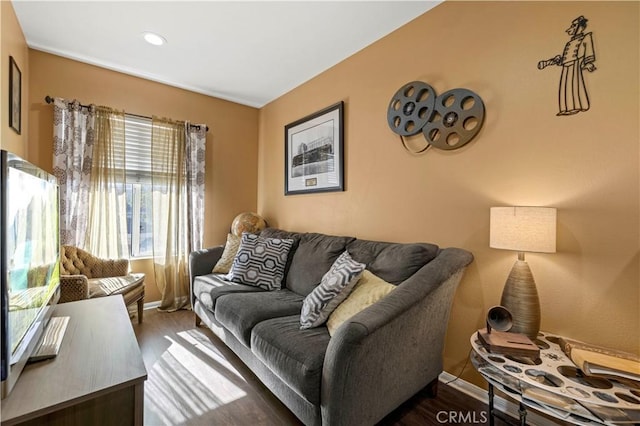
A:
194, 379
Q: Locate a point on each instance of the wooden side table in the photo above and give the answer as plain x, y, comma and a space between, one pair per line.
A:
97, 377
553, 385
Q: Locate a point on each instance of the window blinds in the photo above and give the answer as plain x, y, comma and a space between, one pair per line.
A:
137, 149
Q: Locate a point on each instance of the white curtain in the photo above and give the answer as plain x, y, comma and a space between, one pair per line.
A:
177, 154
88, 160
107, 209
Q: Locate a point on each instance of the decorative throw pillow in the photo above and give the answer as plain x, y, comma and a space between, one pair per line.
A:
226, 260
260, 261
366, 292
335, 286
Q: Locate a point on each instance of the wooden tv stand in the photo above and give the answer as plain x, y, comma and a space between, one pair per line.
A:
97, 377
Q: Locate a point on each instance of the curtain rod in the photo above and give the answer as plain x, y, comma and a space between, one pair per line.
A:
48, 99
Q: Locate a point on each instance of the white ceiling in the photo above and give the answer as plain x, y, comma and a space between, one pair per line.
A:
250, 52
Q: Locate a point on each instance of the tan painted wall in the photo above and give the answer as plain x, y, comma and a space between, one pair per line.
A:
231, 155
586, 165
12, 43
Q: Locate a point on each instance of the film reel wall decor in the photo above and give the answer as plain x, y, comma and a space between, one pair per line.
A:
447, 122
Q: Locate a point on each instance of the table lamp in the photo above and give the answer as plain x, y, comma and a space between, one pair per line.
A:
523, 229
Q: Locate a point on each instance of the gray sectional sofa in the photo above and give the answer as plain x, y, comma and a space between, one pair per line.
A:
375, 361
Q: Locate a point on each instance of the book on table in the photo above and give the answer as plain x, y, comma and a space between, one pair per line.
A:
505, 343
596, 360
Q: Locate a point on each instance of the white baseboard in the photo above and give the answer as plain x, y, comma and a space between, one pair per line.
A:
151, 305
503, 405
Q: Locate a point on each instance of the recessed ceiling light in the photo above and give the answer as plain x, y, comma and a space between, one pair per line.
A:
153, 38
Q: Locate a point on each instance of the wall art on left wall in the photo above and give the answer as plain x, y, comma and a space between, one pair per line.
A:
15, 96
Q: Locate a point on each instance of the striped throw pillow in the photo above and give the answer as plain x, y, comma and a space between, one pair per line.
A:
260, 261
335, 286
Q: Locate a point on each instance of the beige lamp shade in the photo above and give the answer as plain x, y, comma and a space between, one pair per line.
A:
523, 229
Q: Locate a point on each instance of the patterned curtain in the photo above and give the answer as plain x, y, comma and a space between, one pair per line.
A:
177, 158
88, 160
73, 139
196, 139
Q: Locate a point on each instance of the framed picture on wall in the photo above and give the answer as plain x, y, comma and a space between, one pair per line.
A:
15, 93
314, 152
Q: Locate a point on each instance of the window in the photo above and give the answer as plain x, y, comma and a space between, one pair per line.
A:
138, 185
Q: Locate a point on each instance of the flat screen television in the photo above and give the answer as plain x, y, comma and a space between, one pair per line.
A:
29, 260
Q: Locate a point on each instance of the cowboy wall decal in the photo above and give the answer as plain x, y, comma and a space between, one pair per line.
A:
578, 55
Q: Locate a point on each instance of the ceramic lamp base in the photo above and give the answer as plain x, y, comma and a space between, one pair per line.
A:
520, 297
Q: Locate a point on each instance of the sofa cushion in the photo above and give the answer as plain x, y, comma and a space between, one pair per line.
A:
208, 288
393, 262
313, 258
223, 266
279, 233
294, 355
335, 286
99, 287
240, 312
260, 261
365, 293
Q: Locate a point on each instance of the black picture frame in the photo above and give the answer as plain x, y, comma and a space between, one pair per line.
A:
314, 152
15, 96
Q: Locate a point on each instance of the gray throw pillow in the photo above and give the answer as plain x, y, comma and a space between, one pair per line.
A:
335, 286
260, 261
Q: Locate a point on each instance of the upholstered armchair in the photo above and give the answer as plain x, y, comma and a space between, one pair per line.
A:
85, 276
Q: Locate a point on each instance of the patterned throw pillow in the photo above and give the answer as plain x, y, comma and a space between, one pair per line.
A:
260, 261
226, 260
366, 292
335, 286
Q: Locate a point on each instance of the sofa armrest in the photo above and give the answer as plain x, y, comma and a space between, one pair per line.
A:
386, 353
73, 287
201, 262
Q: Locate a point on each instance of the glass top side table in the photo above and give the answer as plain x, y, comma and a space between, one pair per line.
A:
552, 384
